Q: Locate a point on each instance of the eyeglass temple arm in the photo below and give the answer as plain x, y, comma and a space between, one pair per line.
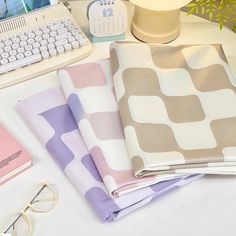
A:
13, 223
17, 218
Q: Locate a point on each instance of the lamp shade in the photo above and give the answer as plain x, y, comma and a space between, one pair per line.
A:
157, 21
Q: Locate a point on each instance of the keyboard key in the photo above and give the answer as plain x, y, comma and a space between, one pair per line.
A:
15, 46
31, 35
71, 27
71, 39
7, 49
75, 44
60, 49
5, 55
23, 38
52, 52
62, 30
28, 47
68, 47
4, 61
46, 30
63, 36
67, 22
51, 40
23, 43
51, 45
78, 37
15, 40
45, 54
43, 48
36, 51
13, 52
28, 53
38, 32
57, 26
75, 32
36, 45
53, 33
38, 38
46, 36
61, 42
83, 42
30, 41
8, 42
12, 58
20, 50
20, 56
43, 42
19, 63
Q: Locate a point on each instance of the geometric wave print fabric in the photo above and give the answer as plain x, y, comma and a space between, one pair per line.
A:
90, 95
53, 124
177, 106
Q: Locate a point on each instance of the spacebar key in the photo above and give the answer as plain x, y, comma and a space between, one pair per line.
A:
20, 63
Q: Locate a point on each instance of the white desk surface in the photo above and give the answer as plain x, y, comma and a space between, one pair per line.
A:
205, 207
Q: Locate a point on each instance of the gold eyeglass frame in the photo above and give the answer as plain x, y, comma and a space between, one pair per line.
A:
31, 206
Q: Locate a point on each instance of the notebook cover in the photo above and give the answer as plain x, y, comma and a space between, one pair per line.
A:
48, 116
177, 105
12, 155
90, 95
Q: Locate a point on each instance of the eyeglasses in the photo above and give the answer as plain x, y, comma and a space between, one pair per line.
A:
43, 200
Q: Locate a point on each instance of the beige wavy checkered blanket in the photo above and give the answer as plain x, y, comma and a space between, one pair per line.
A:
178, 107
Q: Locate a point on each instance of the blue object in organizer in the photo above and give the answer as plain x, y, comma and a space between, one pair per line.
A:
9, 8
107, 20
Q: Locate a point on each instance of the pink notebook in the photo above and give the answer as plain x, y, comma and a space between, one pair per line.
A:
13, 157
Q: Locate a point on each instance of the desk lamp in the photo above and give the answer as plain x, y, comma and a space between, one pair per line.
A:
157, 21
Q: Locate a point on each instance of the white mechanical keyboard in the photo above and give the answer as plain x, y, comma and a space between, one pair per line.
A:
41, 48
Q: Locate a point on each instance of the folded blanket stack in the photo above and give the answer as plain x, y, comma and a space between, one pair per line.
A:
169, 117
54, 125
